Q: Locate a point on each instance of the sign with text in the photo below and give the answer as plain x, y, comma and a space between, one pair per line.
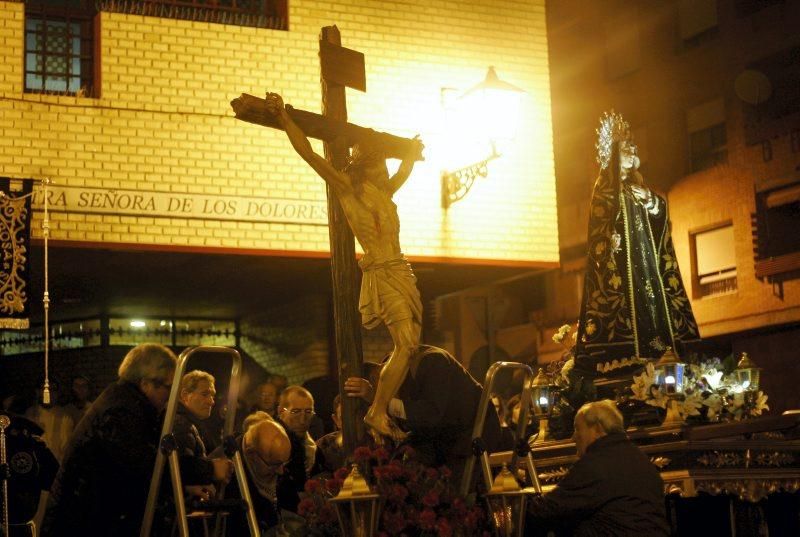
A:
182, 205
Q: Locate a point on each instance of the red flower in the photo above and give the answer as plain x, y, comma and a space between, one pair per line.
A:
445, 471
381, 454
306, 507
427, 519
444, 528
327, 514
432, 473
312, 486
341, 473
362, 454
459, 505
397, 493
333, 485
394, 522
431, 499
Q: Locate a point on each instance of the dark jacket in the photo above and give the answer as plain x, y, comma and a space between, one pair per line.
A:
102, 486
612, 490
440, 399
196, 467
293, 480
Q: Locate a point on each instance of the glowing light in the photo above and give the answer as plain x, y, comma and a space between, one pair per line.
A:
669, 379
138, 324
543, 401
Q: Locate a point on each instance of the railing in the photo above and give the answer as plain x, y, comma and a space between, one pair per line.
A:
270, 14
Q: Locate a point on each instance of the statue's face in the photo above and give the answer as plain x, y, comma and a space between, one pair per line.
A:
371, 163
627, 156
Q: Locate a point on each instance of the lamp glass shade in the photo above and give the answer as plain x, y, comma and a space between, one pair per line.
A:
494, 106
507, 512
671, 378
748, 375
358, 515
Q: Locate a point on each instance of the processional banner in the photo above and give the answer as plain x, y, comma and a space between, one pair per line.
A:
15, 235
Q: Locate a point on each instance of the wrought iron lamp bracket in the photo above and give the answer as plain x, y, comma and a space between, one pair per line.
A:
457, 183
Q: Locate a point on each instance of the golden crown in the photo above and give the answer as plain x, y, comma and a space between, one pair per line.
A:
612, 129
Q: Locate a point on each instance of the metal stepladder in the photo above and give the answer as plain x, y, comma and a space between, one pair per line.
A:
521, 450
168, 452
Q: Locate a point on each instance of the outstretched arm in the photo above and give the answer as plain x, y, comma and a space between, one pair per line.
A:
297, 137
414, 154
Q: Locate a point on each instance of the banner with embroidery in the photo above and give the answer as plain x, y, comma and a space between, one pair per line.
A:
15, 235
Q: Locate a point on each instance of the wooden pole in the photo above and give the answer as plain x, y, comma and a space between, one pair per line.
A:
344, 273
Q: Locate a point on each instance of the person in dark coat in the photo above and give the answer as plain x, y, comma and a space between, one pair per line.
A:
613, 489
437, 403
196, 403
265, 449
102, 486
295, 412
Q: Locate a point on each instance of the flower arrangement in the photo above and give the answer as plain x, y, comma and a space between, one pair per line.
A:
709, 393
419, 500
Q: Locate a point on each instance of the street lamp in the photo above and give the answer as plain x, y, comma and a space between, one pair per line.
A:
357, 507
507, 502
543, 391
748, 374
669, 377
493, 107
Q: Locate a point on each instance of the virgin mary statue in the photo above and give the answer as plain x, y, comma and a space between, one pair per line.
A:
634, 303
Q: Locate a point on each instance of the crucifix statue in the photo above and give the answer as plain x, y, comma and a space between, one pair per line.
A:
360, 188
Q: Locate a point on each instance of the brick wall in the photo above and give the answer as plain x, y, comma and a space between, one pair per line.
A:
163, 124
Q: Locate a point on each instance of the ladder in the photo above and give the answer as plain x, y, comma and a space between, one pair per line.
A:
168, 451
521, 447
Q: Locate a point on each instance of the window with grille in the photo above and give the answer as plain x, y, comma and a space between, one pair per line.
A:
59, 48
714, 261
708, 138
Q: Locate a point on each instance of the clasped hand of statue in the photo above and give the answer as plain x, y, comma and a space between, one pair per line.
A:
274, 103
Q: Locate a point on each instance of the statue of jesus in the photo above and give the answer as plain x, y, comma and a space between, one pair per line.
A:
389, 292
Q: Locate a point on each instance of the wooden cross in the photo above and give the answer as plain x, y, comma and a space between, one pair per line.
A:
341, 67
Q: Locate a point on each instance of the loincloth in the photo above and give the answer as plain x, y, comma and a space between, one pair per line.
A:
388, 292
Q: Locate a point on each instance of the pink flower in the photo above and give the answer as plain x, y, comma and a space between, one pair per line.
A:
427, 519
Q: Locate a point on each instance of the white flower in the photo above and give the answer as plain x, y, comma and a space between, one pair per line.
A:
691, 405
567, 368
559, 336
760, 404
714, 404
642, 383
714, 378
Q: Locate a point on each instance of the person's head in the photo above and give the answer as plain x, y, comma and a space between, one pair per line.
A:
80, 389
596, 420
337, 412
367, 163
296, 408
266, 445
266, 397
197, 393
280, 381
150, 367
629, 162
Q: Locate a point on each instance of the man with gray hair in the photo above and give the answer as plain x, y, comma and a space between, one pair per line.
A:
102, 486
612, 489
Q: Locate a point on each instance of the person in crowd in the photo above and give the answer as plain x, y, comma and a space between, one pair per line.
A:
102, 485
295, 410
212, 429
437, 403
265, 448
79, 400
196, 402
266, 399
330, 447
280, 381
613, 489
53, 419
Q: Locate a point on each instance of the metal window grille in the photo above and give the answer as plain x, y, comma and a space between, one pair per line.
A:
59, 50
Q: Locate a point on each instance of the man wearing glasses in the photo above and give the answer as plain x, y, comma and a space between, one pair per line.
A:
102, 486
295, 411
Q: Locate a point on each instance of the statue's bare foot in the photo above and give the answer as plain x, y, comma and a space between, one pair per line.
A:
384, 426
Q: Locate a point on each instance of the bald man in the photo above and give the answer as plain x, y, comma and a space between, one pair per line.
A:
265, 449
613, 489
